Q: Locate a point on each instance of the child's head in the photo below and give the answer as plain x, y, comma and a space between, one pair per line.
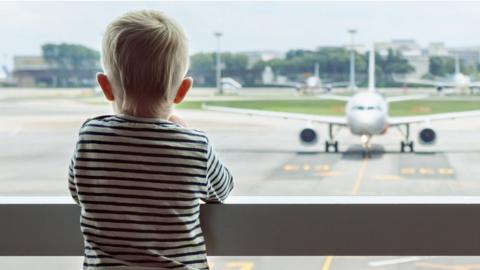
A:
145, 58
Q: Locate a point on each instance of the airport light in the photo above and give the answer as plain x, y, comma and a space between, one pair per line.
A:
352, 85
218, 35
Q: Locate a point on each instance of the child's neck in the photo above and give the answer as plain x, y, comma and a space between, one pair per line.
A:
160, 114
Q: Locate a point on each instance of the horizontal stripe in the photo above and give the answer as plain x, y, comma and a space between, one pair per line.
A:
145, 261
109, 169
101, 151
141, 188
112, 134
143, 247
104, 194
154, 122
135, 129
138, 239
142, 205
151, 145
103, 264
135, 179
139, 230
134, 213
173, 255
137, 162
141, 222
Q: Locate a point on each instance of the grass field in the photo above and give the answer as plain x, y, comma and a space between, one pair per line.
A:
334, 107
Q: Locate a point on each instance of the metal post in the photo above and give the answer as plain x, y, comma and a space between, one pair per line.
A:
218, 35
352, 85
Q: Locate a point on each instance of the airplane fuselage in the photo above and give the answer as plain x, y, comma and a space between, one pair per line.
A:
367, 114
461, 81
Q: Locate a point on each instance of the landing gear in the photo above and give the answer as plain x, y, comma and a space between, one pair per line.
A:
331, 142
406, 143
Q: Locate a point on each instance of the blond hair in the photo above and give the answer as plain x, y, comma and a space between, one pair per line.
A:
145, 57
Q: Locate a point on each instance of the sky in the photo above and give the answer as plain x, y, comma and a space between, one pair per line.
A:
246, 26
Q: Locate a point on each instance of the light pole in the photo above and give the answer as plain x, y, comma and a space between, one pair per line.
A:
218, 35
352, 85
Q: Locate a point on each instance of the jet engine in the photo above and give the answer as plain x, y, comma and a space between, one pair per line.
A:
308, 136
427, 136
439, 89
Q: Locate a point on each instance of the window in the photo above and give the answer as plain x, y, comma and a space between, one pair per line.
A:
271, 72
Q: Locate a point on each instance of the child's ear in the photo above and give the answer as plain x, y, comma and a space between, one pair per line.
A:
102, 80
183, 89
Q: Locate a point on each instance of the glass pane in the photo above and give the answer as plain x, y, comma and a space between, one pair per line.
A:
299, 65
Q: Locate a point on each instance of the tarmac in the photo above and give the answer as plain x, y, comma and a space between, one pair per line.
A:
38, 130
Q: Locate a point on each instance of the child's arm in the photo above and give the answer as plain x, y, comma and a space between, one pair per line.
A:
71, 183
219, 179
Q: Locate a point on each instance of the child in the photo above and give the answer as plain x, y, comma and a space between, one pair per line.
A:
139, 175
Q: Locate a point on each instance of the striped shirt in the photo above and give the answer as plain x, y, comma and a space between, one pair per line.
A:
139, 182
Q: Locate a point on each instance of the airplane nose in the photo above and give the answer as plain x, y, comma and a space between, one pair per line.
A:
369, 123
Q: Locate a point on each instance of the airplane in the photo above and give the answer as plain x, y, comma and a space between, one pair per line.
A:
366, 115
313, 83
4, 76
459, 81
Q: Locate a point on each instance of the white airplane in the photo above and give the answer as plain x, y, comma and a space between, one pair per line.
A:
459, 81
366, 115
4, 75
313, 83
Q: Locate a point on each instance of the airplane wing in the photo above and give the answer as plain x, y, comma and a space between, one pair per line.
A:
333, 97
405, 98
430, 83
436, 83
475, 84
337, 120
395, 121
335, 84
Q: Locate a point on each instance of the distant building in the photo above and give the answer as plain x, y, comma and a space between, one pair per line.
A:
34, 71
469, 55
438, 49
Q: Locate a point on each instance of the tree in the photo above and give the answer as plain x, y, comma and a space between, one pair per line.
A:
71, 62
71, 56
203, 67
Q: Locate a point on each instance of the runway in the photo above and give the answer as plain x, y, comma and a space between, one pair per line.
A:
38, 133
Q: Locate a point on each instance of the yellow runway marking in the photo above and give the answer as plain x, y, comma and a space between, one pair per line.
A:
239, 266
359, 178
322, 167
329, 173
290, 168
327, 263
408, 171
426, 171
445, 171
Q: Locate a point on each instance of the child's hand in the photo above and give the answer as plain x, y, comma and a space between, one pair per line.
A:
177, 120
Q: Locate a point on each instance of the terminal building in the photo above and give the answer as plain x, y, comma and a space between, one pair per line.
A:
35, 71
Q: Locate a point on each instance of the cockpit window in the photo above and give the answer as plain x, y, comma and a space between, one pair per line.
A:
368, 108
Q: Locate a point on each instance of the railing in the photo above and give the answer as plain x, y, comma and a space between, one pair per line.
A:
274, 226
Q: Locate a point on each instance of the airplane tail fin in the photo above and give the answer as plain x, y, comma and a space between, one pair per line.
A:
316, 72
371, 70
5, 70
